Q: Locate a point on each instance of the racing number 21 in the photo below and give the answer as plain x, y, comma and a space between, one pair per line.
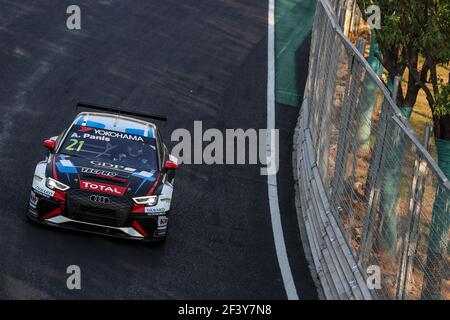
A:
75, 145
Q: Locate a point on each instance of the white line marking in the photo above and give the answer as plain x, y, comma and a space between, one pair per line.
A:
277, 229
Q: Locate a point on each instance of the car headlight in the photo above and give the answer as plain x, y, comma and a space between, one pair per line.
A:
147, 200
54, 184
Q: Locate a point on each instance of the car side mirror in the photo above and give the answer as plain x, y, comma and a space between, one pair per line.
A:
170, 165
50, 144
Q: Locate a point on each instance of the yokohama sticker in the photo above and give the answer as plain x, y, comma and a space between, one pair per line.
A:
121, 135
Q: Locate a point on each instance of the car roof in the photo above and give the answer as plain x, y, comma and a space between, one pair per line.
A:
116, 122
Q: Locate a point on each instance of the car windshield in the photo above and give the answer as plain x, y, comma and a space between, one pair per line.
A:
126, 149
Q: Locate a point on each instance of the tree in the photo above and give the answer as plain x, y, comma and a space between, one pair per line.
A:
415, 36
414, 29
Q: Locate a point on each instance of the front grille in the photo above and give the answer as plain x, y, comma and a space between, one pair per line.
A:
81, 207
98, 211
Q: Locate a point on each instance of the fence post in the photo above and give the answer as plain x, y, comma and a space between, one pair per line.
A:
390, 184
374, 182
347, 117
360, 45
412, 236
376, 190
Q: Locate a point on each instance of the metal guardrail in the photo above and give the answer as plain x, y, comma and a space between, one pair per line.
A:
336, 267
370, 194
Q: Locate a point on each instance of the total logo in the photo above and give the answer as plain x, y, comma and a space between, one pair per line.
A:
105, 188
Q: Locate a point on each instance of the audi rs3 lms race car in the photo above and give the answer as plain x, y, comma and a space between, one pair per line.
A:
108, 173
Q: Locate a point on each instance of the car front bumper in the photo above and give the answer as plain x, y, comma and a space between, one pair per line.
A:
55, 212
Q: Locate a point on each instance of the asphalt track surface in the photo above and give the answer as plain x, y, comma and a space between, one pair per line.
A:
191, 60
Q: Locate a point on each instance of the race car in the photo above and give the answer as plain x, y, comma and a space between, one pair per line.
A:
109, 173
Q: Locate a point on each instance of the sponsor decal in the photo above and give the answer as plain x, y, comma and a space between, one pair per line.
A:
153, 210
90, 136
93, 137
86, 129
112, 166
115, 134
44, 191
105, 135
162, 221
98, 171
159, 233
102, 187
33, 212
33, 200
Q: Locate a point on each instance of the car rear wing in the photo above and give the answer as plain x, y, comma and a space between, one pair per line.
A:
119, 111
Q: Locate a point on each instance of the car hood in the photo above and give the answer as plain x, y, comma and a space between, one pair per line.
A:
102, 177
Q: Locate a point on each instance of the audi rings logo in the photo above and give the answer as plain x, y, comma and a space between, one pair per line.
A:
99, 199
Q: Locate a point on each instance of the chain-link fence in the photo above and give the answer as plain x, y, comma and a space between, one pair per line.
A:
390, 199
